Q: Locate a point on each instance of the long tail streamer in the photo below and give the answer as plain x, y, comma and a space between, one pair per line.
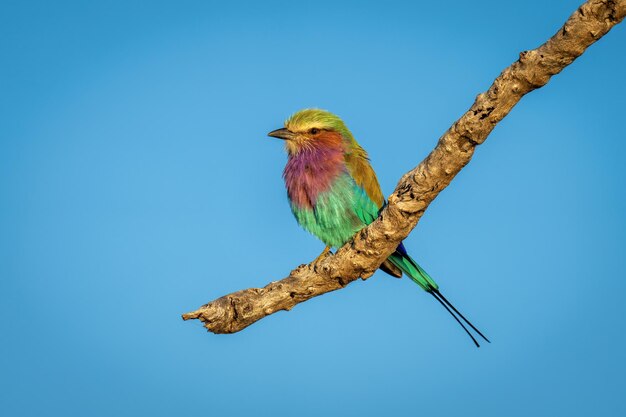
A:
434, 294
460, 315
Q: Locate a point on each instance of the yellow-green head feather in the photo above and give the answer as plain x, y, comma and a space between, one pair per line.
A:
308, 122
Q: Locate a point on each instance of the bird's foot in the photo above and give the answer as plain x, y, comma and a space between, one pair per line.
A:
326, 252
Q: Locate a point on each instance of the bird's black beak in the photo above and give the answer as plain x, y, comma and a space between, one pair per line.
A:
282, 134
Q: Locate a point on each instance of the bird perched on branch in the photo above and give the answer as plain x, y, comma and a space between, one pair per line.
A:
333, 192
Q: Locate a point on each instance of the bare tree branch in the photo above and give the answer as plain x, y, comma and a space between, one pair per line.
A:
418, 187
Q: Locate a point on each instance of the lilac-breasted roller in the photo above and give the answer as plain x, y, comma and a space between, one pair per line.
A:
333, 192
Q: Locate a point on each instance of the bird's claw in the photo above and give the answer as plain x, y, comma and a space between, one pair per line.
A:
325, 253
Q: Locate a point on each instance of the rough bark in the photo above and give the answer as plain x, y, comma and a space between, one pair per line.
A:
418, 187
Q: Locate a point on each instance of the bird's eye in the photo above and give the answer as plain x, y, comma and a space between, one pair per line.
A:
314, 131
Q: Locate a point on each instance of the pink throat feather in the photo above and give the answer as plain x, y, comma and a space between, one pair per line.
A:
312, 171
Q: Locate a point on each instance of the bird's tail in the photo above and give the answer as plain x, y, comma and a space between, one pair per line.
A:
402, 260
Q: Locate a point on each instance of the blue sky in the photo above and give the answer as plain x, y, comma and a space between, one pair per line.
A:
137, 183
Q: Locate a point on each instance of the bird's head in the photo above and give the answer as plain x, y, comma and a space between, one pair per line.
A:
313, 128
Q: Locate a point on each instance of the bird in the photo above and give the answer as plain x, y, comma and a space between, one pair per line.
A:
333, 193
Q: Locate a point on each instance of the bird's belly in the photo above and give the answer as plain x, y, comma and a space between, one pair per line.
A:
333, 225
334, 216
